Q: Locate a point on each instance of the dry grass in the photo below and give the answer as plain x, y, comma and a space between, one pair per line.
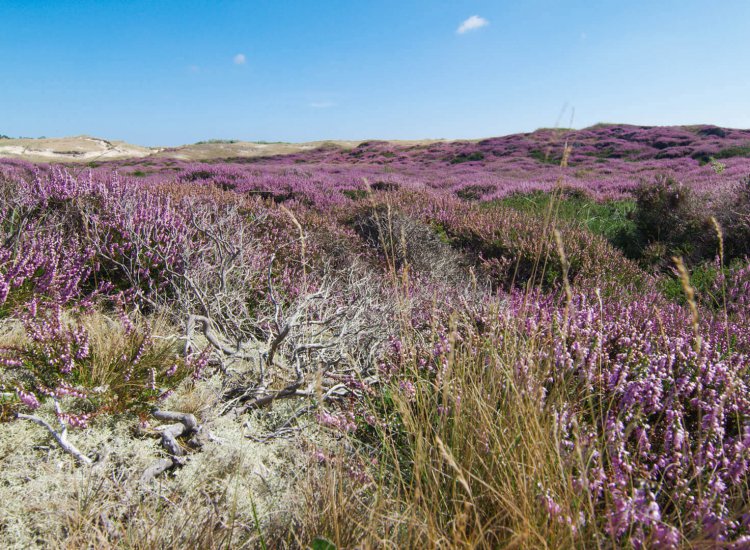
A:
474, 478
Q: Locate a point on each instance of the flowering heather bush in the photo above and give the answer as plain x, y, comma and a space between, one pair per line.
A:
41, 267
519, 248
139, 239
48, 273
608, 161
657, 409
733, 287
649, 413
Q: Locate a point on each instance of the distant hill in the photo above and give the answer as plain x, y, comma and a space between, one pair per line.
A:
602, 141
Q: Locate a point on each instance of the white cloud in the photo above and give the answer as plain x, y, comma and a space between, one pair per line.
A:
471, 24
239, 59
322, 104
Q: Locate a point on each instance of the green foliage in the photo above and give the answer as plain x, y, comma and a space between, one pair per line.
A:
354, 194
219, 141
20, 296
322, 544
667, 212
135, 369
467, 157
388, 405
516, 246
441, 233
706, 279
100, 365
604, 153
544, 157
717, 166
611, 219
733, 215
703, 279
735, 151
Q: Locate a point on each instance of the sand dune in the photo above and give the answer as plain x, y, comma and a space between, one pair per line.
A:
88, 149
78, 148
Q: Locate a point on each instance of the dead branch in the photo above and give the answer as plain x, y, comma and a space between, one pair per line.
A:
185, 425
157, 468
60, 437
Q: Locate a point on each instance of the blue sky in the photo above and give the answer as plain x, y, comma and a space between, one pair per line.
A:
170, 72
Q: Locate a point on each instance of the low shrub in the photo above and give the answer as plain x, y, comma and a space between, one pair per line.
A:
474, 192
354, 194
670, 213
612, 219
402, 240
733, 215
518, 248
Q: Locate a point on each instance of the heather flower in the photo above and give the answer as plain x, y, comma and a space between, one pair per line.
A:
28, 399
343, 421
408, 389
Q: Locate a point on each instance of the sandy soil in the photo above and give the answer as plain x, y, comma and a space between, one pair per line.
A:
78, 148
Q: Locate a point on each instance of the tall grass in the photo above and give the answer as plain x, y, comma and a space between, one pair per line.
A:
463, 455
465, 458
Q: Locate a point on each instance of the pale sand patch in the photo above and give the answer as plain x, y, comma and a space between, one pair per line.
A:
86, 149
79, 148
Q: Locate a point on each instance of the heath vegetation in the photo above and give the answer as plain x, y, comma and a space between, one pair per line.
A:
540, 340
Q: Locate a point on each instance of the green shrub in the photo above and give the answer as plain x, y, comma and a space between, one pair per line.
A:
354, 194
467, 157
735, 151
544, 157
702, 278
96, 364
733, 215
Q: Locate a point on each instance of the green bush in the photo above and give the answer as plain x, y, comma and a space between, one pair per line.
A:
467, 157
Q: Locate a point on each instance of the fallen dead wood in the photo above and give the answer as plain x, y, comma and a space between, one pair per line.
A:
186, 427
